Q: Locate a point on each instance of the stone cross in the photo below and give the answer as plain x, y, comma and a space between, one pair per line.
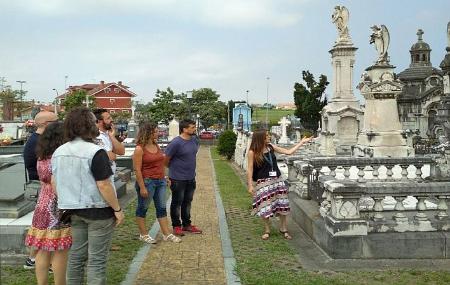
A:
419, 34
284, 122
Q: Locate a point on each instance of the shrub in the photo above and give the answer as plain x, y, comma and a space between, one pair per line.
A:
227, 144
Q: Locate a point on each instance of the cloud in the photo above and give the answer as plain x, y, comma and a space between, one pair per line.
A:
250, 13
216, 13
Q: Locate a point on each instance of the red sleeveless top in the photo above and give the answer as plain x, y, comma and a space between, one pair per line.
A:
152, 164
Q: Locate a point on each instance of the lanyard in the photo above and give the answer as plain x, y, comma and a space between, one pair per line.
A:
269, 160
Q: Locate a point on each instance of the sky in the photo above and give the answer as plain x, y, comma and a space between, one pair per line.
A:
230, 46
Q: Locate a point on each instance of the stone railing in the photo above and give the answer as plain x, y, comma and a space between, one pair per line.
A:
344, 215
306, 171
357, 196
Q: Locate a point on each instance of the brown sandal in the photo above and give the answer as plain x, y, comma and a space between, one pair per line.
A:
286, 235
265, 236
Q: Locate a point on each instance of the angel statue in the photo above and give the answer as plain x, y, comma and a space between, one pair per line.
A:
380, 38
340, 18
448, 34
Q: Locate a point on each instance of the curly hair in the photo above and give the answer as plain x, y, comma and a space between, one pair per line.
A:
80, 122
50, 140
146, 131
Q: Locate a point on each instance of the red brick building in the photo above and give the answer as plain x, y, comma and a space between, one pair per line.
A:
115, 97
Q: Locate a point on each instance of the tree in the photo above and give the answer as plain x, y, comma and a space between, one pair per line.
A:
121, 117
143, 112
76, 99
310, 100
164, 106
205, 103
8, 98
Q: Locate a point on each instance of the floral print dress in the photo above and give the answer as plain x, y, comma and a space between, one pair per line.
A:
46, 232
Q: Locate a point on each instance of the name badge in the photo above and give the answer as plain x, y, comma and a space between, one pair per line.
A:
272, 173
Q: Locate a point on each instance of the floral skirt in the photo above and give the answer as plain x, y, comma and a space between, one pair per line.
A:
271, 198
49, 239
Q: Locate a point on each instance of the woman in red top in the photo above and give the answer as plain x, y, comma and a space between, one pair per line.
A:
148, 162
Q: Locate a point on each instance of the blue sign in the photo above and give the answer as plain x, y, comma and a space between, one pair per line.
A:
242, 117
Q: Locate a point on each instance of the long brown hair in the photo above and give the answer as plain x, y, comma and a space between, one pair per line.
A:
258, 146
50, 140
146, 131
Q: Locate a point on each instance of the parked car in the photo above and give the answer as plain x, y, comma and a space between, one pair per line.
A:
206, 135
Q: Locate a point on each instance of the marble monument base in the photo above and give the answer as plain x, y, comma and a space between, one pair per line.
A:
381, 144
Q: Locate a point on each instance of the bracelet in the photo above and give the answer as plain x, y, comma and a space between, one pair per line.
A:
120, 210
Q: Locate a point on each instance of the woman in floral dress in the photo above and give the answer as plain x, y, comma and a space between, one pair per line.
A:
47, 234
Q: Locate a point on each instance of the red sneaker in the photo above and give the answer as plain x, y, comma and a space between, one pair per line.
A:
178, 231
192, 229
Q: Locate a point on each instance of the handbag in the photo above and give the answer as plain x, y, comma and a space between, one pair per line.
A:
64, 216
31, 190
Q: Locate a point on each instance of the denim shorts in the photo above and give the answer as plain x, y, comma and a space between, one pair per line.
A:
157, 192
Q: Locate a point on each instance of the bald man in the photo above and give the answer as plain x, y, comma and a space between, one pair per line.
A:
41, 121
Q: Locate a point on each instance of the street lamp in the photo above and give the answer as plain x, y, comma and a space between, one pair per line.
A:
21, 97
267, 104
65, 82
189, 97
247, 96
56, 101
228, 115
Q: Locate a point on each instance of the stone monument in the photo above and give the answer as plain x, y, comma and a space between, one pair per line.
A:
132, 128
13, 204
342, 115
444, 108
284, 122
382, 134
174, 129
326, 141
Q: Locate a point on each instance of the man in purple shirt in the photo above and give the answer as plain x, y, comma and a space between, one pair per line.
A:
181, 159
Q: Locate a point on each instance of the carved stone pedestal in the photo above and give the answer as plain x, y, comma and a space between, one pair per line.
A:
382, 135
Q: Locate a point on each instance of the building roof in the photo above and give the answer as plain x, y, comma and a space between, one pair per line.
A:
92, 88
418, 73
422, 46
413, 93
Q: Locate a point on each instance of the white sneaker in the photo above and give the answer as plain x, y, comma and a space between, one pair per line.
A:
171, 238
147, 239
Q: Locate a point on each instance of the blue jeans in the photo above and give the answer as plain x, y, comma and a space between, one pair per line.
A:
91, 244
182, 195
157, 192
